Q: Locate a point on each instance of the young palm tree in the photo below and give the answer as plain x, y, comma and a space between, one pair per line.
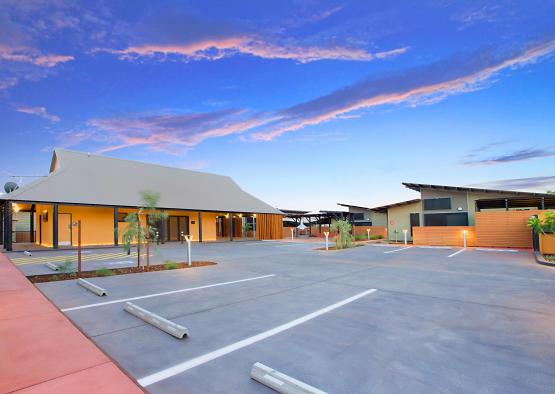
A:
136, 231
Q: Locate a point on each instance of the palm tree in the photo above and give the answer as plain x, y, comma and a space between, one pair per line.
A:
141, 231
343, 238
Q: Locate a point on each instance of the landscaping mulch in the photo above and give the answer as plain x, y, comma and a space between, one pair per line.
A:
333, 247
115, 271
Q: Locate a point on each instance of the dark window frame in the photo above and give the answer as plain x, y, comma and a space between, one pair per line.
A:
446, 219
437, 204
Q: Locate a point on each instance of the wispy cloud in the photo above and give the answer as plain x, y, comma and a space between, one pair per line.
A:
33, 56
543, 183
39, 111
419, 85
518, 155
171, 132
217, 48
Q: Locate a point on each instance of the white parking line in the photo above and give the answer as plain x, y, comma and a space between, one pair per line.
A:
164, 293
434, 247
457, 252
398, 250
195, 362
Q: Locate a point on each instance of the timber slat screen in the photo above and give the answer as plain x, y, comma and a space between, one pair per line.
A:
269, 226
443, 235
504, 228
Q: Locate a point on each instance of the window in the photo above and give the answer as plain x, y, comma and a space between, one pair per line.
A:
446, 219
357, 216
434, 204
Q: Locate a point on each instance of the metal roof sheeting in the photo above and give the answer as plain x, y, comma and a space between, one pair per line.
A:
82, 178
419, 186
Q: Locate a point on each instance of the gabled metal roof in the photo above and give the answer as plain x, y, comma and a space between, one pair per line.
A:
82, 178
419, 186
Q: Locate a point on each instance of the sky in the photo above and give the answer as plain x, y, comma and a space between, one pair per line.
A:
304, 103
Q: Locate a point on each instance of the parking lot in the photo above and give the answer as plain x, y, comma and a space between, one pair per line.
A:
377, 318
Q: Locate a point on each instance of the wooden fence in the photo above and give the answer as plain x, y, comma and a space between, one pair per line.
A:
443, 235
504, 229
269, 226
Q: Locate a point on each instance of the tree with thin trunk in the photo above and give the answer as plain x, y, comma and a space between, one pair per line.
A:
343, 238
141, 225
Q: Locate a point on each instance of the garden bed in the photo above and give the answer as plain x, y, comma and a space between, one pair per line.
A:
114, 271
334, 248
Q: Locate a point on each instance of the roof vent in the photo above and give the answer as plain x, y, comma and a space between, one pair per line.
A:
10, 187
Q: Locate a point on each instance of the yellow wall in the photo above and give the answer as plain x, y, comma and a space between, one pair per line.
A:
46, 239
97, 224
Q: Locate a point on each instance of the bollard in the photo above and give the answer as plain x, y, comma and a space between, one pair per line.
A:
368, 231
189, 238
27, 253
292, 237
280, 382
464, 238
182, 236
53, 267
165, 325
405, 233
326, 234
99, 291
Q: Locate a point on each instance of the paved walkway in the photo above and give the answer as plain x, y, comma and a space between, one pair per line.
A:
42, 351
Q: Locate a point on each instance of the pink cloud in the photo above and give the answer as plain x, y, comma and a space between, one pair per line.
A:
33, 56
419, 86
213, 49
172, 133
39, 111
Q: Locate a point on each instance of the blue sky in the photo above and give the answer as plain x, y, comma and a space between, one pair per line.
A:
304, 103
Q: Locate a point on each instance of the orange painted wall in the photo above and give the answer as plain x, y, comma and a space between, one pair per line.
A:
97, 224
505, 229
45, 238
443, 235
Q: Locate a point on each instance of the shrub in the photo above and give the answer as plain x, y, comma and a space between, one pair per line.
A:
170, 265
104, 272
343, 239
376, 236
543, 225
65, 267
361, 237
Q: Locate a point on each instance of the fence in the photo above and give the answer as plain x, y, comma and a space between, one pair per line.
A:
444, 235
504, 229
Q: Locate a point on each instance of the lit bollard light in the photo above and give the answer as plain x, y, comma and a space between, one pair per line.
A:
368, 231
182, 236
326, 234
292, 235
465, 232
189, 238
405, 234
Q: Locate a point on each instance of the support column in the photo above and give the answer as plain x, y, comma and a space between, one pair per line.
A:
55, 226
254, 226
8, 237
200, 226
32, 224
231, 227
2, 239
543, 203
162, 230
116, 231
506, 204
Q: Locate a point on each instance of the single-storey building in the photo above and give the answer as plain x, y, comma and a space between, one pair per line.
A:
101, 191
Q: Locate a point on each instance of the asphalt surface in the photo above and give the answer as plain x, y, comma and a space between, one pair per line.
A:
479, 321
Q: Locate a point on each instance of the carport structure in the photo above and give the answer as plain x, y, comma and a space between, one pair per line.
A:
101, 191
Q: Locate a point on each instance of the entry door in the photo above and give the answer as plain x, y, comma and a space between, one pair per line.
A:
414, 221
64, 229
178, 225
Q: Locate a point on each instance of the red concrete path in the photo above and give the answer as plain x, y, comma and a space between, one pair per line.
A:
41, 351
